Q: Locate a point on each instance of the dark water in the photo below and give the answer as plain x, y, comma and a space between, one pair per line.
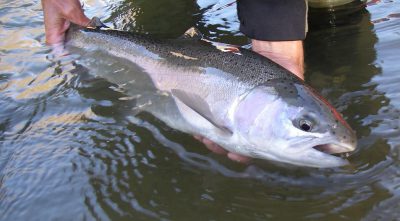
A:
72, 150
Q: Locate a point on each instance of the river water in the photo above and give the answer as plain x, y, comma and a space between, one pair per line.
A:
71, 148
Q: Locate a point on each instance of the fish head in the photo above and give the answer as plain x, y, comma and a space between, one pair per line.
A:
291, 123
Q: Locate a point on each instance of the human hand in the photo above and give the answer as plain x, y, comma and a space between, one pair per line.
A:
57, 18
215, 148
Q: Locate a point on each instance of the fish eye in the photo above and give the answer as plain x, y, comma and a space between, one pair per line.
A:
305, 125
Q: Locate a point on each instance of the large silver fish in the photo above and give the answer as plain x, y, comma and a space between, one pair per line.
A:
240, 100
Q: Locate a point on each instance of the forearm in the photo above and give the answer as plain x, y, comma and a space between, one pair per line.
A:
277, 28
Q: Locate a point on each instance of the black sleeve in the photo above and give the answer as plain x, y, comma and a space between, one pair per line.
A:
273, 20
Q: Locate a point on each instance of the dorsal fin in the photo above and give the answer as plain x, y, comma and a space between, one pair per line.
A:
192, 33
96, 23
200, 106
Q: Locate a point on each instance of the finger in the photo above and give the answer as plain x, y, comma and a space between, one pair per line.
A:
197, 137
55, 24
238, 158
215, 148
72, 11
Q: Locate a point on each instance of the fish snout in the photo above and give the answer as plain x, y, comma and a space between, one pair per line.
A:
344, 140
343, 147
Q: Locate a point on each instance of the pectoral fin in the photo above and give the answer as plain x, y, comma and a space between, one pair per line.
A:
200, 106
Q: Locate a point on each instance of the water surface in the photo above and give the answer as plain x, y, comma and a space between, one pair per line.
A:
71, 148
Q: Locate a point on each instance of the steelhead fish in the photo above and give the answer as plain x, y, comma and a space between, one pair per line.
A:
237, 98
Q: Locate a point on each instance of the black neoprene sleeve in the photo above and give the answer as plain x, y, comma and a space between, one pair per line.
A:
273, 20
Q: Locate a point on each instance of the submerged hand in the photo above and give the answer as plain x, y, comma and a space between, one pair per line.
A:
57, 18
215, 148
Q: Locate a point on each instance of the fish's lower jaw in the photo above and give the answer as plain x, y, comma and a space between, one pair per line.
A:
336, 149
319, 159
305, 156
326, 161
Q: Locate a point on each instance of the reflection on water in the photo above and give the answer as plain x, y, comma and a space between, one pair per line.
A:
71, 147
155, 17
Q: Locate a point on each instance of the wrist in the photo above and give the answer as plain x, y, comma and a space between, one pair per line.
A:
288, 54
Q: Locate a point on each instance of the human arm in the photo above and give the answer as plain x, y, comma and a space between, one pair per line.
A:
277, 29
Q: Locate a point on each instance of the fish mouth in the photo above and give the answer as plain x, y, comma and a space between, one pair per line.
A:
339, 150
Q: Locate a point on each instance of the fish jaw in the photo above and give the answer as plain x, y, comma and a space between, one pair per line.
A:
309, 156
322, 151
307, 151
335, 148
